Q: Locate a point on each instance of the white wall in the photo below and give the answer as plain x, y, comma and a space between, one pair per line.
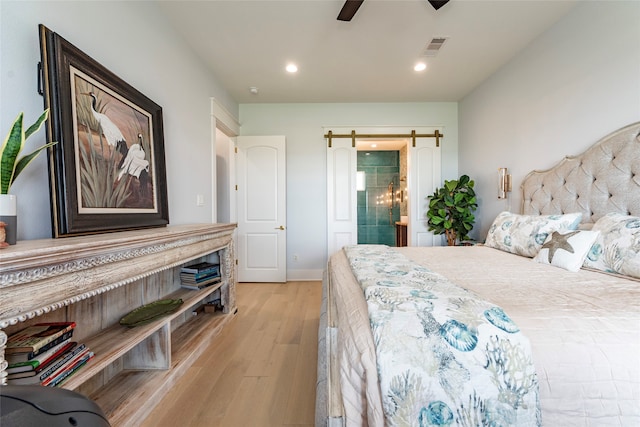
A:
302, 124
134, 41
576, 83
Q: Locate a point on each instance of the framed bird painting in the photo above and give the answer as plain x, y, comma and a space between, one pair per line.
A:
107, 172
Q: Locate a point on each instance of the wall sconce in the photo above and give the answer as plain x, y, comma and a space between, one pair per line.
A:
504, 183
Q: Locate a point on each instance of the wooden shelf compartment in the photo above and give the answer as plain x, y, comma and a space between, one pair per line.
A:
116, 341
130, 396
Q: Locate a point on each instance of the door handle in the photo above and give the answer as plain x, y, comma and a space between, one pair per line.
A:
280, 228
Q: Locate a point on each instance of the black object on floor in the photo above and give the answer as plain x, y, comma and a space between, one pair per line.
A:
37, 406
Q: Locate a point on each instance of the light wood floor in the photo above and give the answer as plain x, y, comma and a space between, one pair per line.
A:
261, 371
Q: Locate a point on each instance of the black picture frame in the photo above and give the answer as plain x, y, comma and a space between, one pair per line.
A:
102, 178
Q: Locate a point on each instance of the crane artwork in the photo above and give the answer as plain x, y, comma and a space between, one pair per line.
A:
114, 137
132, 162
135, 164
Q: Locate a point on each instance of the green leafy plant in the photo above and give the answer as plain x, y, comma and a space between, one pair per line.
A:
451, 209
10, 164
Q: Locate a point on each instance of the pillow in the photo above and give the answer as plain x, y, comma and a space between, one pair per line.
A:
617, 249
525, 234
567, 249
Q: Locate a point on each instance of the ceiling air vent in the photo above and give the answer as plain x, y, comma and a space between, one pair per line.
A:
434, 46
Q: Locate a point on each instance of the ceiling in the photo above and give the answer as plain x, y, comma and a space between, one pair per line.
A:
369, 59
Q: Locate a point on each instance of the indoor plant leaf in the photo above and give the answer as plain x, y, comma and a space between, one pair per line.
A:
9, 152
451, 209
10, 165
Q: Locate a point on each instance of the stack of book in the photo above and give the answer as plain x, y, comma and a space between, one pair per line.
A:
199, 276
44, 354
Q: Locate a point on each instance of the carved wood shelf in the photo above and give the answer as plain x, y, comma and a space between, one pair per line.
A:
94, 281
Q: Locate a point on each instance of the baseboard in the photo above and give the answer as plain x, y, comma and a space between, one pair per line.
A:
304, 275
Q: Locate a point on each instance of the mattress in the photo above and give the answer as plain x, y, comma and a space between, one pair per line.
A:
584, 330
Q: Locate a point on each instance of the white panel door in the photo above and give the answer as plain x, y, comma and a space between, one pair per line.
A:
342, 200
424, 178
262, 235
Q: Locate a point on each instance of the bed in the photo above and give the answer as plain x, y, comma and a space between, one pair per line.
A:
576, 314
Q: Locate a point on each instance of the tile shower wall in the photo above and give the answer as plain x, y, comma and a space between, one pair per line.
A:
374, 224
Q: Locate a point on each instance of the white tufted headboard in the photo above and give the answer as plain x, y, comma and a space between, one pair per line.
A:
603, 179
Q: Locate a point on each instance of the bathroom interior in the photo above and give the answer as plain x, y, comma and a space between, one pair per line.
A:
382, 193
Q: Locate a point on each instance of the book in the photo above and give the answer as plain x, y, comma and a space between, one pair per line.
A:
42, 359
188, 279
17, 375
24, 378
201, 267
200, 285
61, 362
64, 376
199, 276
77, 363
67, 366
24, 356
33, 338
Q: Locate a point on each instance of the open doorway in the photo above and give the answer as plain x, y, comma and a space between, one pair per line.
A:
381, 183
422, 177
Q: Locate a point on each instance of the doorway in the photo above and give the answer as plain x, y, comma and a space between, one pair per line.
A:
382, 188
422, 177
262, 214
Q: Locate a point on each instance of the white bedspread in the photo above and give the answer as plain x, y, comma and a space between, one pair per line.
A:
584, 330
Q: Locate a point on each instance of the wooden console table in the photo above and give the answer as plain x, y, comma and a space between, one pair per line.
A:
94, 281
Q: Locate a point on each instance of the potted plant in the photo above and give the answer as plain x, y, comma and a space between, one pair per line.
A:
451, 209
11, 166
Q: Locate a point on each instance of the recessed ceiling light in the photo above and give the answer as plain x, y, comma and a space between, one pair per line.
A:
420, 66
374, 145
292, 68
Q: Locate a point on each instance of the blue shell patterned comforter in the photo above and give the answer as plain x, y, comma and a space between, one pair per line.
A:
444, 356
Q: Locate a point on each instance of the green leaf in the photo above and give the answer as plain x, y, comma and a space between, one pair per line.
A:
9, 152
450, 185
10, 165
37, 125
436, 220
24, 161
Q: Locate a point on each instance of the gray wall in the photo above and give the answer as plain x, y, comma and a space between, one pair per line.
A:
576, 83
141, 49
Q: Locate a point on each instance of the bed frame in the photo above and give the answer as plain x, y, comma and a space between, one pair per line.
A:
605, 178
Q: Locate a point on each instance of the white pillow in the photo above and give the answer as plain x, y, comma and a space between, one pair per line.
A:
617, 249
525, 234
567, 249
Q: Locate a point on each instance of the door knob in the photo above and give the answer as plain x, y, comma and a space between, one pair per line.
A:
280, 228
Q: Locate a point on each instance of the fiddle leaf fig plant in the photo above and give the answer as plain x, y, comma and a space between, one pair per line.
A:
10, 164
451, 209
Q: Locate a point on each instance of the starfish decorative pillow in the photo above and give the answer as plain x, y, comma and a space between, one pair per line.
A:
566, 249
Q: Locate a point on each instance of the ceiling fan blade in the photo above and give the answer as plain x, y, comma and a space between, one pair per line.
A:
437, 4
349, 9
